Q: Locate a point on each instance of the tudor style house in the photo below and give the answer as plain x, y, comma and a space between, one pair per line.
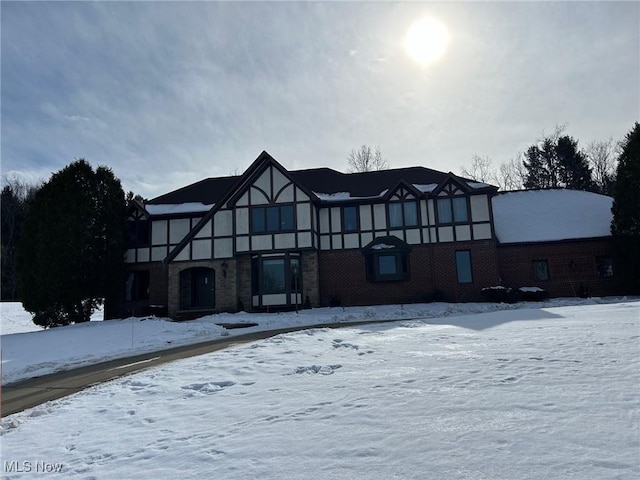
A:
273, 239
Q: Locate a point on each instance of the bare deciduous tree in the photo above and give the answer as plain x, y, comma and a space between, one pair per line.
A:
508, 176
481, 170
602, 160
366, 160
511, 174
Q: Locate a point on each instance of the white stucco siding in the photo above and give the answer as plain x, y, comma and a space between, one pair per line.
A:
263, 183
479, 208
482, 231
159, 232
205, 231
223, 223
158, 254
351, 240
463, 233
365, 217
286, 195
284, 240
143, 254
301, 196
305, 240
242, 244
445, 234
279, 181
423, 212
178, 229
379, 216
223, 248
303, 213
242, 221
184, 253
335, 220
431, 212
261, 242
324, 220
243, 201
413, 236
366, 238
201, 249
130, 256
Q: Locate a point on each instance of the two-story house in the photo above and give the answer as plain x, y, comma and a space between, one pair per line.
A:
272, 238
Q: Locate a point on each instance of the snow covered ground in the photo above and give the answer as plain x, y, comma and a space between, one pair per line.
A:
545, 391
39, 352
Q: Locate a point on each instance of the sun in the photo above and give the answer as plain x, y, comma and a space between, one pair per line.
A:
426, 40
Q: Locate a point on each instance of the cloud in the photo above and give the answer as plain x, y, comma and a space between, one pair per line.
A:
168, 93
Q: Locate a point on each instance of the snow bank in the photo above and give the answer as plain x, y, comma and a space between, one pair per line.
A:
548, 215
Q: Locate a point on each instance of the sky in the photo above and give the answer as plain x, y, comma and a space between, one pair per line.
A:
169, 93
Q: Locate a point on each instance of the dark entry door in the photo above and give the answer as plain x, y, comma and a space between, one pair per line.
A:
197, 288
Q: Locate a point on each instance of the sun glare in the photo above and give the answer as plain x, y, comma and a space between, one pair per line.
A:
426, 40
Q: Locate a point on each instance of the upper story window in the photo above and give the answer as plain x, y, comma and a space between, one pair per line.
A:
350, 219
138, 233
403, 214
452, 210
276, 218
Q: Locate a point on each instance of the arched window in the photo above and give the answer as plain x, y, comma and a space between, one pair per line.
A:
197, 289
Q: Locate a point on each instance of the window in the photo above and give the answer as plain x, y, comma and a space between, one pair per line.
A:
350, 219
404, 214
273, 276
540, 270
138, 233
137, 286
197, 289
463, 266
387, 260
277, 218
452, 210
604, 267
276, 275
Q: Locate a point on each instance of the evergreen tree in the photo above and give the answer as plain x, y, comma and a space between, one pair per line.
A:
556, 162
625, 226
71, 255
16, 196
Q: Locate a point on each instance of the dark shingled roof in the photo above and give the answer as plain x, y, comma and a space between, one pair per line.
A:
318, 180
207, 191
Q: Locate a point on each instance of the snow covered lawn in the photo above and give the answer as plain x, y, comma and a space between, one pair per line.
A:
528, 393
39, 352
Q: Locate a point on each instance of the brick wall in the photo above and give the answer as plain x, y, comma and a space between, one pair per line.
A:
432, 271
225, 286
158, 274
572, 267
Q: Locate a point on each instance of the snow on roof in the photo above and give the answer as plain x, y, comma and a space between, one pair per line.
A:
342, 196
430, 187
382, 246
167, 209
548, 215
476, 185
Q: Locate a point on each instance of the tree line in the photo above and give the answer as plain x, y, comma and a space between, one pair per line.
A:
553, 161
64, 241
